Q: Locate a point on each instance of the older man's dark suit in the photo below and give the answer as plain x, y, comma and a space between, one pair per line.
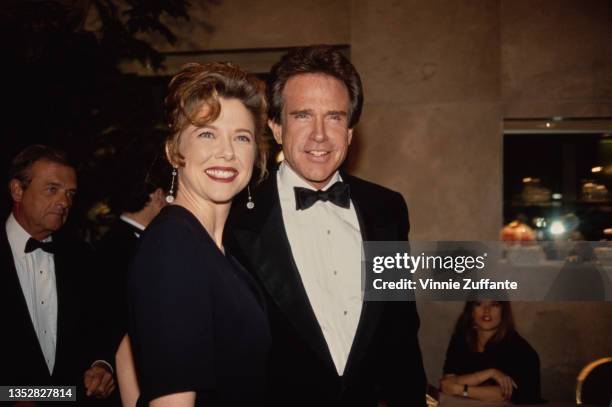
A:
78, 310
385, 359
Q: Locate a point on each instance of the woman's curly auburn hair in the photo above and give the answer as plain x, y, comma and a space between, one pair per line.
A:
197, 85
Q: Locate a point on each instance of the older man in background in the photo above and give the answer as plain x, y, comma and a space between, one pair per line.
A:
49, 305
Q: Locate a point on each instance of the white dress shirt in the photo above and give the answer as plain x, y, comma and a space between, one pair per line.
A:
36, 272
132, 222
325, 242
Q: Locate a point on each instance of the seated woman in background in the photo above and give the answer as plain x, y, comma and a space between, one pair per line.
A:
488, 360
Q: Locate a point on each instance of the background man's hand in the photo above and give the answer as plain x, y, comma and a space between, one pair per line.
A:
99, 381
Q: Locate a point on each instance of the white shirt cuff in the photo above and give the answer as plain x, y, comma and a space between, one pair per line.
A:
97, 362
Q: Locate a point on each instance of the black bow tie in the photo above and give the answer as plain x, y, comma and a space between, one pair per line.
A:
338, 194
33, 244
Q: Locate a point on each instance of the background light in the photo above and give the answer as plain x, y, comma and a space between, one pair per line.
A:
557, 228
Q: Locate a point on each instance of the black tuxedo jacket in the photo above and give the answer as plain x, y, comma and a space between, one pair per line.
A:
385, 360
78, 320
115, 252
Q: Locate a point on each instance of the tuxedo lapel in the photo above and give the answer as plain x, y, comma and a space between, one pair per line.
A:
371, 229
263, 237
62, 285
78, 310
21, 324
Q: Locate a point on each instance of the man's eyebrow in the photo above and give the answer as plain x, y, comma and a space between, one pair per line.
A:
302, 111
59, 185
336, 113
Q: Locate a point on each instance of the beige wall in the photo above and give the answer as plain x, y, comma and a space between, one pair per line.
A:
431, 77
240, 24
439, 78
556, 58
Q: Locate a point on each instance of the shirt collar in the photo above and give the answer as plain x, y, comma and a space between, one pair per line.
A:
18, 237
288, 179
131, 222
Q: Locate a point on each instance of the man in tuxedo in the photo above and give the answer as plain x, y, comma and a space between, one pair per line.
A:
302, 240
47, 306
139, 193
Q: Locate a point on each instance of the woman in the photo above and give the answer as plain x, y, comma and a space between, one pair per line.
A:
487, 359
196, 324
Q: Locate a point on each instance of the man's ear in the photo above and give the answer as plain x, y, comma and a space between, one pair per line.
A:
16, 189
277, 131
158, 197
350, 136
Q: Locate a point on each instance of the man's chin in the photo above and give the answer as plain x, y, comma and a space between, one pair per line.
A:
319, 181
54, 227
317, 177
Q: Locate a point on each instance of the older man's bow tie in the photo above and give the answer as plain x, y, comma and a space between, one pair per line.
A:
338, 194
33, 244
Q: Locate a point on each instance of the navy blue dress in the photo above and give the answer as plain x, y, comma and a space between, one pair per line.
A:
196, 320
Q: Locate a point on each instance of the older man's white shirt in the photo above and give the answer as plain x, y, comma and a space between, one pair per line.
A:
36, 272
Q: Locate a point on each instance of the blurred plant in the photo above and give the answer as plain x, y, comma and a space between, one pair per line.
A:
41, 25
63, 86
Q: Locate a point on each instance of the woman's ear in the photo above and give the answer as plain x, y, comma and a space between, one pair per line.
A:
169, 153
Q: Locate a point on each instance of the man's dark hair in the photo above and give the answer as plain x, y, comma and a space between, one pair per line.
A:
141, 169
21, 165
323, 59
